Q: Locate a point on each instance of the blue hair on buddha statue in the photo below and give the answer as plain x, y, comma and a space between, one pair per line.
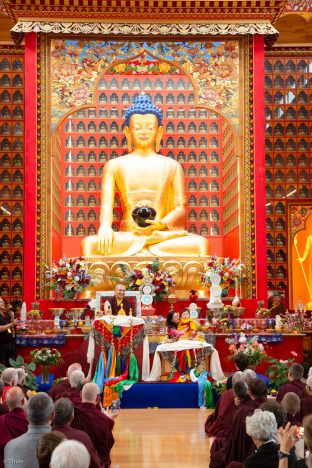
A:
143, 104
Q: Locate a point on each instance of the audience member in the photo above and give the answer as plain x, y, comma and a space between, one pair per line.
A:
237, 444
240, 390
21, 378
291, 405
14, 423
64, 384
94, 422
277, 410
22, 450
248, 376
9, 377
262, 428
3, 407
76, 381
306, 403
294, 383
64, 415
241, 363
70, 454
7, 338
216, 422
45, 447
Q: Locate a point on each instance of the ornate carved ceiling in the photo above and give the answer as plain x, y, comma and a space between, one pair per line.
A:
148, 10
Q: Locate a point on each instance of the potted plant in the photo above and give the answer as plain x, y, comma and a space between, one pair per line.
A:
278, 370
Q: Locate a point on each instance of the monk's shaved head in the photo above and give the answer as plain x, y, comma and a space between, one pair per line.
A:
15, 398
90, 392
291, 403
72, 368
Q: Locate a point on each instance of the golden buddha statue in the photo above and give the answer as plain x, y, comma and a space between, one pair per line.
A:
147, 180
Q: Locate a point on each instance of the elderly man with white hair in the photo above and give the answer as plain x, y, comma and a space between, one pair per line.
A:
22, 450
70, 454
77, 381
10, 378
64, 385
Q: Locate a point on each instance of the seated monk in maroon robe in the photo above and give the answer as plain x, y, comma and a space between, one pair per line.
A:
294, 384
63, 385
214, 425
240, 395
64, 415
306, 403
237, 445
113, 305
76, 380
14, 423
94, 422
291, 405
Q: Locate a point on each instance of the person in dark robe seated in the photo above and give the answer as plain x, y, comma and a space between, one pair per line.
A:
240, 395
291, 405
3, 407
118, 304
46, 446
77, 381
241, 363
214, 425
14, 423
64, 384
64, 415
237, 445
95, 422
276, 305
294, 383
262, 428
306, 403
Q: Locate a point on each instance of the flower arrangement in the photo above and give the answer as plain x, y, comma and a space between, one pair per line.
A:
247, 345
219, 386
296, 321
22, 327
161, 280
46, 356
262, 312
34, 313
278, 370
69, 277
230, 271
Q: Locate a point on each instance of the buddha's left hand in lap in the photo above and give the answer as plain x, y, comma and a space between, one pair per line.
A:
154, 225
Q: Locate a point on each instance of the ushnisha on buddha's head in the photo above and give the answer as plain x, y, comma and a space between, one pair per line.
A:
143, 124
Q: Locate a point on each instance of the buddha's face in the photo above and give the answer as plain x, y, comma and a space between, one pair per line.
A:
143, 130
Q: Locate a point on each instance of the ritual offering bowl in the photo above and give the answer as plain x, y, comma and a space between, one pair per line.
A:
141, 214
77, 311
57, 311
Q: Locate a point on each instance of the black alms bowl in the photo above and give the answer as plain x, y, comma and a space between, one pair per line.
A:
141, 214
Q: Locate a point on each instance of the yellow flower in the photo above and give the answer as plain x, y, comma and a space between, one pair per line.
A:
164, 67
138, 282
120, 68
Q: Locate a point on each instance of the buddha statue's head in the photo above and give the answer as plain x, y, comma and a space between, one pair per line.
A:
143, 124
